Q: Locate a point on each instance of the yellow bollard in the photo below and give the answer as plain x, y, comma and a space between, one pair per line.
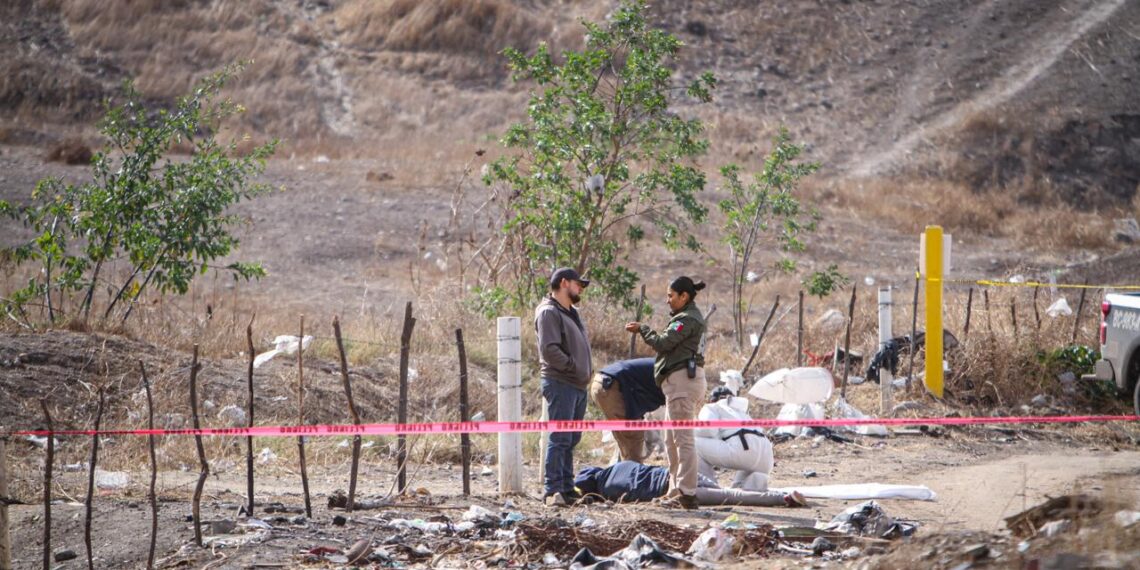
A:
933, 270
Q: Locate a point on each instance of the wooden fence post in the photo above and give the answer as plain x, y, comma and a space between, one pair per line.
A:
47, 484
1013, 314
249, 419
800, 333
203, 465
1077, 316
402, 418
969, 308
89, 503
914, 328
301, 418
5, 544
151, 495
759, 340
464, 413
352, 411
847, 343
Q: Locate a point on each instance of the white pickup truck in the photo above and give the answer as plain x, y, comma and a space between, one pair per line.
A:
1120, 344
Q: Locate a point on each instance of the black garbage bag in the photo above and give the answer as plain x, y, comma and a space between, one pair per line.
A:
642, 552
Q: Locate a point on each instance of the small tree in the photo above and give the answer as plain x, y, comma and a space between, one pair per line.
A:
164, 217
599, 155
764, 212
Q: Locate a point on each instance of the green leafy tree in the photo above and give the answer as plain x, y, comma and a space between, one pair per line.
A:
164, 217
601, 156
765, 213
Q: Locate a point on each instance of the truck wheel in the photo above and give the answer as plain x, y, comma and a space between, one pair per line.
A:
1136, 399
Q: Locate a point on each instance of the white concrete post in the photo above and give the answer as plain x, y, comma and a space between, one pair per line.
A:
885, 376
510, 405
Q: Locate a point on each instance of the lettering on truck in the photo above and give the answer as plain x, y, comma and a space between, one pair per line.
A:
1125, 319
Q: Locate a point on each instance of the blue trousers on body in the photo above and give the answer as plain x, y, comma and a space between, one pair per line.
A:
563, 402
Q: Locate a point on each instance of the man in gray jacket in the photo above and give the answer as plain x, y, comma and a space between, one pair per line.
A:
564, 358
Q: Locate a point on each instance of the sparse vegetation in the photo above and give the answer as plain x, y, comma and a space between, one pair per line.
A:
166, 219
600, 155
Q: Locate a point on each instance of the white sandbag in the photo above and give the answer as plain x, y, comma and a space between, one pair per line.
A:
846, 410
798, 412
795, 386
862, 491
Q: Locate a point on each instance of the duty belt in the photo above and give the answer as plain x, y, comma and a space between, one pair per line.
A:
741, 433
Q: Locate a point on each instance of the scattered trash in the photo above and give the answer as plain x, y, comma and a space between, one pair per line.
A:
266, 456
1040, 401
798, 412
41, 442
486, 471
65, 555
1059, 308
1054, 528
477, 512
821, 545
641, 552
907, 406
733, 522
478, 417
1126, 230
869, 519
222, 527
846, 410
1126, 518
855, 380
232, 415
339, 520
111, 479
794, 386
283, 344
712, 545
550, 559
359, 550
1030, 522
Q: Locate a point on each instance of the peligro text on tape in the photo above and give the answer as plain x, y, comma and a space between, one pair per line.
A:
562, 425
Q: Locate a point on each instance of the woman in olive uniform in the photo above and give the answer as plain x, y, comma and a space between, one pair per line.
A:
679, 370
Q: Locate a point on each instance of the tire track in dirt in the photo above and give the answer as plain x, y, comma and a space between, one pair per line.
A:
980, 496
1015, 80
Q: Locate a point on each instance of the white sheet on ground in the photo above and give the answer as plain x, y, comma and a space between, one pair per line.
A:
860, 491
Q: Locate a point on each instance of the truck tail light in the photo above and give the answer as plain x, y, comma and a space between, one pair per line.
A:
1105, 307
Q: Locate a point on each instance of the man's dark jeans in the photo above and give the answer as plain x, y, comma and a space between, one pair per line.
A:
563, 402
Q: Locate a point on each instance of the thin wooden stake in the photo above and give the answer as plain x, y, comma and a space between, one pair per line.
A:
969, 307
760, 340
203, 465
5, 543
301, 418
249, 419
1036, 312
89, 502
47, 484
464, 412
636, 318
402, 417
150, 494
847, 343
1013, 314
800, 333
914, 328
986, 300
352, 411
1077, 317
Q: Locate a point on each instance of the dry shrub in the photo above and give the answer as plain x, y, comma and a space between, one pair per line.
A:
454, 26
71, 150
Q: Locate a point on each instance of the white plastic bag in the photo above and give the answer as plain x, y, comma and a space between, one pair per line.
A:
846, 410
798, 412
795, 386
712, 545
286, 344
